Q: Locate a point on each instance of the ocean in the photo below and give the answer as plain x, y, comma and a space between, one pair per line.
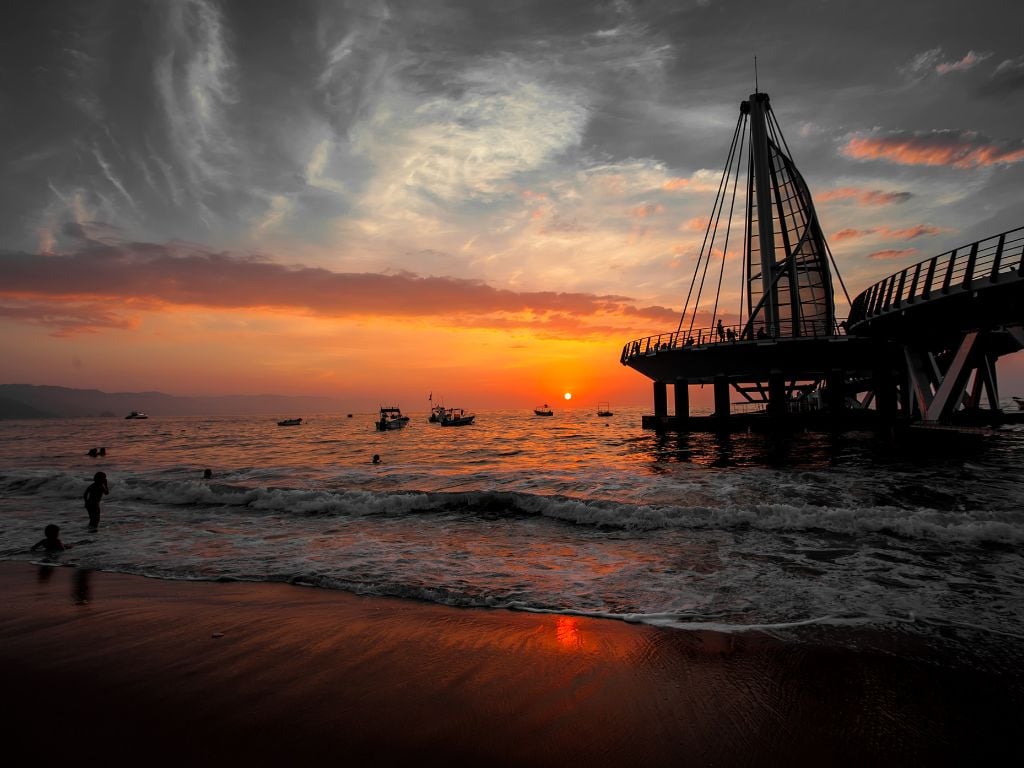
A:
572, 514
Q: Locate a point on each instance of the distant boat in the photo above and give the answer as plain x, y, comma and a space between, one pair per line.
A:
543, 410
136, 415
390, 418
455, 417
603, 409
1020, 402
289, 422
435, 414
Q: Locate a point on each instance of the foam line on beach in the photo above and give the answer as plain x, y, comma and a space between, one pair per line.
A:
953, 526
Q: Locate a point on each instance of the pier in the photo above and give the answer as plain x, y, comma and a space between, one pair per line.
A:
919, 346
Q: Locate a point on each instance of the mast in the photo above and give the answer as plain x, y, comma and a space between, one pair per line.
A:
760, 157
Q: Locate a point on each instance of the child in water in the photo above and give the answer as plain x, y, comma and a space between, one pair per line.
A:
92, 497
52, 542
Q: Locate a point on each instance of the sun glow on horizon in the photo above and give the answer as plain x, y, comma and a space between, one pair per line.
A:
568, 395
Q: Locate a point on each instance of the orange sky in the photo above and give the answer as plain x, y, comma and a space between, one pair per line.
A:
381, 201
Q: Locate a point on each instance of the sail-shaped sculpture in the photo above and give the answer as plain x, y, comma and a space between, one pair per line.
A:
789, 285
783, 352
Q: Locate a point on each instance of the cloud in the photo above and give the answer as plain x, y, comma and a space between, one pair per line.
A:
864, 197
892, 253
922, 63
1007, 78
67, 318
193, 78
905, 233
956, 149
850, 234
912, 233
928, 61
970, 60
149, 276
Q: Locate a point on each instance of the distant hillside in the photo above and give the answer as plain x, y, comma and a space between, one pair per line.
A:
29, 401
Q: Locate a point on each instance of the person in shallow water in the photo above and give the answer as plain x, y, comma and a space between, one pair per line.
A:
93, 494
52, 542
376, 458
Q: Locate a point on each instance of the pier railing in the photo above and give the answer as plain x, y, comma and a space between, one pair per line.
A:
995, 258
722, 334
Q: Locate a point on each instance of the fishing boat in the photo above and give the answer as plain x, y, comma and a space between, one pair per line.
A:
390, 418
289, 422
604, 409
435, 414
455, 417
136, 415
543, 410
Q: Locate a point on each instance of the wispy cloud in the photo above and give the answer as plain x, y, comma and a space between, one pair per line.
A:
864, 197
1007, 78
929, 61
956, 149
193, 80
903, 233
892, 253
970, 60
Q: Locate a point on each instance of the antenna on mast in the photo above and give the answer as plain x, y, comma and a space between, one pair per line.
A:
755, 76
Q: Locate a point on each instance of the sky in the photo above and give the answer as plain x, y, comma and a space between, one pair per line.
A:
377, 201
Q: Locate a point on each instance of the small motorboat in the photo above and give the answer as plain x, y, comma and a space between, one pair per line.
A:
136, 415
543, 410
289, 422
604, 410
455, 417
435, 414
390, 418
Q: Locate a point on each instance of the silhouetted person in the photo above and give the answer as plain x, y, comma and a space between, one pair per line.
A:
207, 474
52, 542
94, 452
93, 494
761, 334
721, 330
376, 458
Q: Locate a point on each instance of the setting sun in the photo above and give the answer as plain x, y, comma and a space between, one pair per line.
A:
568, 395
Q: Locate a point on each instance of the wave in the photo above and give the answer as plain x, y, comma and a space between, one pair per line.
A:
1002, 527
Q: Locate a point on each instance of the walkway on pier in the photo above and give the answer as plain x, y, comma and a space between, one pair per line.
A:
953, 316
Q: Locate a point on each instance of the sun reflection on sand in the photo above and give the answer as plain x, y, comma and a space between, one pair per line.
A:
568, 634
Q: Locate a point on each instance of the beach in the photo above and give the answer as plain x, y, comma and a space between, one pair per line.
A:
125, 669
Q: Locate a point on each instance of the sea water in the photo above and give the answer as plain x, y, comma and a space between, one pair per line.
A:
573, 513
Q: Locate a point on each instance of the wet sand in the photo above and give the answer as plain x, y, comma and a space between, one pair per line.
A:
127, 670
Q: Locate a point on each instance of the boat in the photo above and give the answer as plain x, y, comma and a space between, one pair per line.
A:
455, 417
390, 418
435, 414
604, 409
1019, 401
136, 415
289, 422
543, 410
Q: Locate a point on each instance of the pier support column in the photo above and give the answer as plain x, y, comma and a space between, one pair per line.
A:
681, 390
776, 393
835, 382
885, 395
660, 399
721, 397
